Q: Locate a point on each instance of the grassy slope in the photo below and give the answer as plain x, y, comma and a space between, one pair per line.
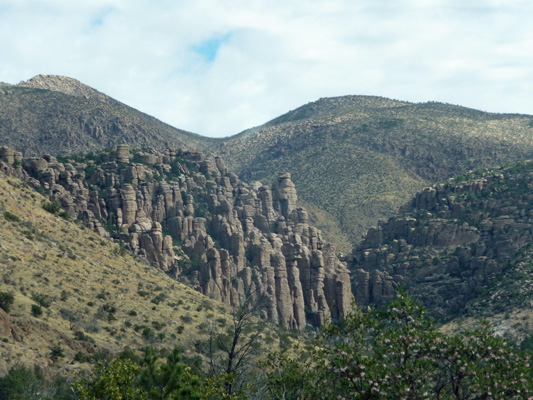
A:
358, 158
36, 120
45, 255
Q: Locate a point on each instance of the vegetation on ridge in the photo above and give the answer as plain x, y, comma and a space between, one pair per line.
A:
360, 158
59, 115
462, 248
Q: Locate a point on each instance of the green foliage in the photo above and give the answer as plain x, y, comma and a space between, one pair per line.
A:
148, 334
169, 380
398, 353
126, 377
41, 299
64, 295
186, 318
53, 208
159, 298
36, 310
22, 383
6, 301
111, 381
56, 352
11, 217
79, 335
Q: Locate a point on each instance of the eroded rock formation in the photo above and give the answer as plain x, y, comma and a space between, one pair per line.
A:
187, 215
453, 240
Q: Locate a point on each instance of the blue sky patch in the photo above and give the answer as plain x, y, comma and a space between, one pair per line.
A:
208, 49
98, 20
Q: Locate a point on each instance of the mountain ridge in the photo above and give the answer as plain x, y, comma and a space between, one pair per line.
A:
354, 158
391, 152
60, 115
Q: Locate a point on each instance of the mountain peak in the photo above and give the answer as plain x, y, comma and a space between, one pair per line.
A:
66, 85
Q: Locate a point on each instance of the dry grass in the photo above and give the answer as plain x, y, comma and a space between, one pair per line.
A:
84, 276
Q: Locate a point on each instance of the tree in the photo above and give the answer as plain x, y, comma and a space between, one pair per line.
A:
23, 383
171, 380
229, 348
56, 352
111, 381
124, 378
398, 353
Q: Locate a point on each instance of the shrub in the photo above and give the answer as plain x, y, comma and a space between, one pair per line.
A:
56, 352
399, 353
186, 318
93, 326
36, 310
6, 301
41, 299
158, 325
159, 298
79, 335
148, 334
11, 217
52, 208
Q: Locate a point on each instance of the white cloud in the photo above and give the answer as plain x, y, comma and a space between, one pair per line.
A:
275, 55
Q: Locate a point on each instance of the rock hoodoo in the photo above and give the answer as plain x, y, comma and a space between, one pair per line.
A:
190, 217
450, 242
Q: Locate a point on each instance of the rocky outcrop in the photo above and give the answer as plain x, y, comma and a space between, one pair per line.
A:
188, 216
450, 242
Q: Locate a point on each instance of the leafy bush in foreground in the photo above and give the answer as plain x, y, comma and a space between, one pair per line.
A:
398, 354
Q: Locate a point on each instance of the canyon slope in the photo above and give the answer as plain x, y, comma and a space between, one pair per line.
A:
462, 247
357, 159
187, 215
354, 159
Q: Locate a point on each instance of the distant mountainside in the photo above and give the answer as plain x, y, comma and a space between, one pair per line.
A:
187, 215
356, 159
463, 248
59, 115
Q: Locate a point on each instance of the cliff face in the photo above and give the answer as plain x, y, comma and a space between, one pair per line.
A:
187, 215
460, 247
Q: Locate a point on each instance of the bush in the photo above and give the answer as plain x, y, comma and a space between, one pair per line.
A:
186, 318
159, 298
56, 352
6, 301
41, 299
22, 383
11, 217
36, 310
52, 208
148, 334
398, 353
79, 335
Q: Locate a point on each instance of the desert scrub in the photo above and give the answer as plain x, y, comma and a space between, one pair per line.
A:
6, 301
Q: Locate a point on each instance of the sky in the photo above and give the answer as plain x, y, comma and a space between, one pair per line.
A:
218, 67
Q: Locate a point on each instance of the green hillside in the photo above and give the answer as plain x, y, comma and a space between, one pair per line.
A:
359, 158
